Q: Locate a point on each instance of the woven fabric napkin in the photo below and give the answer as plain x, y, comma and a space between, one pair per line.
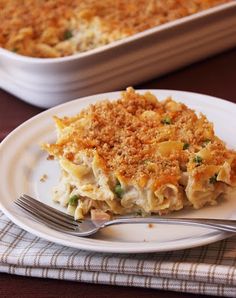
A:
205, 270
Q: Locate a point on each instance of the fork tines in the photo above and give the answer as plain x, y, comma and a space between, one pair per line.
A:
46, 214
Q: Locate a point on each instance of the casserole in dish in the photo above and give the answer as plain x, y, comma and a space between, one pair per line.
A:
52, 29
128, 61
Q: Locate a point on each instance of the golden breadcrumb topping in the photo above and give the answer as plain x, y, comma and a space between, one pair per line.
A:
140, 139
41, 28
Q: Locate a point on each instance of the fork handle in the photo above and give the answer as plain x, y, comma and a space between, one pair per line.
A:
217, 224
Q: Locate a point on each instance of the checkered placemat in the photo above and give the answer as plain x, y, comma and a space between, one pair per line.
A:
208, 270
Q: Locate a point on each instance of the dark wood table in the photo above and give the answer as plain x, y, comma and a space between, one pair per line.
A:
214, 76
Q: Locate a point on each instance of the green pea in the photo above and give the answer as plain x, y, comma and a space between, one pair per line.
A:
67, 34
118, 190
166, 120
197, 159
73, 201
206, 142
212, 179
185, 146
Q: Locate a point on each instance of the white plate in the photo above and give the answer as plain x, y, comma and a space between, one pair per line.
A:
22, 163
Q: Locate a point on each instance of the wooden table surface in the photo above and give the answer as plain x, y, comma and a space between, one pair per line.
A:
214, 76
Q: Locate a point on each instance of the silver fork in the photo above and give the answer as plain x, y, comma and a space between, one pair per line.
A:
65, 223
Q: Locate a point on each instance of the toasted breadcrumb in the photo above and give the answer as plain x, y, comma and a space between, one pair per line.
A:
43, 178
130, 138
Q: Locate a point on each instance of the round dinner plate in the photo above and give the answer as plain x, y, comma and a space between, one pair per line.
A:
23, 163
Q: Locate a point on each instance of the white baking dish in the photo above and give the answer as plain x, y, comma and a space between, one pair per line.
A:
48, 82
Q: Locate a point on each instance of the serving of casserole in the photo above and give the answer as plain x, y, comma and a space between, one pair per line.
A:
139, 155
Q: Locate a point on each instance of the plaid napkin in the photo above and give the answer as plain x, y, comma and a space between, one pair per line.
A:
206, 270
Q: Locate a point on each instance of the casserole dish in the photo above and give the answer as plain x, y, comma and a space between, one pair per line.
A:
50, 81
